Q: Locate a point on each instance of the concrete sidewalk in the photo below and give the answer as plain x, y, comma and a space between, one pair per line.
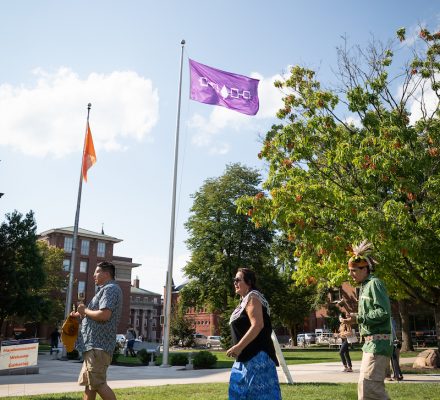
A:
58, 376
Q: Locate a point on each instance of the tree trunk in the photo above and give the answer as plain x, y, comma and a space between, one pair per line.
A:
407, 344
292, 331
437, 324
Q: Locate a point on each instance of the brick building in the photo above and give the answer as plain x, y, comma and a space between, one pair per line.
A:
145, 310
92, 248
205, 322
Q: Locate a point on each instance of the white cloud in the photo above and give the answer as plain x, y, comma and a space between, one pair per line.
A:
425, 97
220, 118
50, 117
354, 120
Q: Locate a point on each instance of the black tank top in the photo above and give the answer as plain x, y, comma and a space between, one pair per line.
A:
263, 342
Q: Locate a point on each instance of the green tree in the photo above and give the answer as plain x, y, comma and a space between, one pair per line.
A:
353, 162
221, 240
56, 279
293, 301
181, 327
21, 267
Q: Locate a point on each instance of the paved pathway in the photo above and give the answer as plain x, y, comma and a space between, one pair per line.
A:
56, 376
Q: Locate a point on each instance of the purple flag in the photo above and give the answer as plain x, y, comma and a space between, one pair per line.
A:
221, 88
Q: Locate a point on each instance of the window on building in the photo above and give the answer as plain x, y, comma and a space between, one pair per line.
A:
101, 249
68, 244
155, 300
335, 295
85, 245
154, 323
81, 286
83, 266
66, 264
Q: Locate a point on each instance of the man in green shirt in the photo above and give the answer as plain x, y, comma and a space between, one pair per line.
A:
374, 319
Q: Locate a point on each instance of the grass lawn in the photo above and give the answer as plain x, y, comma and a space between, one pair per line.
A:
310, 355
293, 356
408, 369
44, 347
219, 391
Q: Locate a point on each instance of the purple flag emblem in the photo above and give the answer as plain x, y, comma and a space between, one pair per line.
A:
213, 86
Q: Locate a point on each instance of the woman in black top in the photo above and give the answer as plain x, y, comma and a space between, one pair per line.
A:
253, 374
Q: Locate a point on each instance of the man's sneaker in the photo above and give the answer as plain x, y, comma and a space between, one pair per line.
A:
345, 369
349, 369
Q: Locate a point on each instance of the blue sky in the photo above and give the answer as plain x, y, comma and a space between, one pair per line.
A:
123, 57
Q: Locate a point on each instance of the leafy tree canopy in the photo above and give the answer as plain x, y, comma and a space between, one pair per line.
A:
221, 240
21, 266
181, 328
56, 279
360, 161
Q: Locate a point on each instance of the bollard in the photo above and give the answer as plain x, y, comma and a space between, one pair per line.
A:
190, 363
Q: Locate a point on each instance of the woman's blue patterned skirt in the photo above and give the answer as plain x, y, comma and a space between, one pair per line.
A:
254, 379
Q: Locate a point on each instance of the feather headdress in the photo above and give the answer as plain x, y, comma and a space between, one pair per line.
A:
362, 254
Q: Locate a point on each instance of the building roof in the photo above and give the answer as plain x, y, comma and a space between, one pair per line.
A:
81, 232
180, 287
124, 262
135, 290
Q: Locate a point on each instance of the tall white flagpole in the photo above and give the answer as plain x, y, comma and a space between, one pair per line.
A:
169, 280
75, 235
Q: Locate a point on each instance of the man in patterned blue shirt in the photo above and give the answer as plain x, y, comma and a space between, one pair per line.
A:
98, 332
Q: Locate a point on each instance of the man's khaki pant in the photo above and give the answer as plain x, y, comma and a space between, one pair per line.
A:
371, 385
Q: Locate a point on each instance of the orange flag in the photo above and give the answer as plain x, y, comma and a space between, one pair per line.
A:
89, 155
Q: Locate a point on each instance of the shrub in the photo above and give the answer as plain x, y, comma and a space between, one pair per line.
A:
204, 359
179, 359
143, 355
158, 360
115, 354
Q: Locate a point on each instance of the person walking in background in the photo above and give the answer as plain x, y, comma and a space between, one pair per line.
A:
99, 321
54, 338
345, 330
130, 337
253, 374
374, 319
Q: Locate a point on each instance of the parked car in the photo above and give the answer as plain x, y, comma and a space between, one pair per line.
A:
306, 338
199, 340
325, 337
213, 341
120, 339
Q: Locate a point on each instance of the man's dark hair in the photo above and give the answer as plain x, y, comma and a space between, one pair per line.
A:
107, 267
